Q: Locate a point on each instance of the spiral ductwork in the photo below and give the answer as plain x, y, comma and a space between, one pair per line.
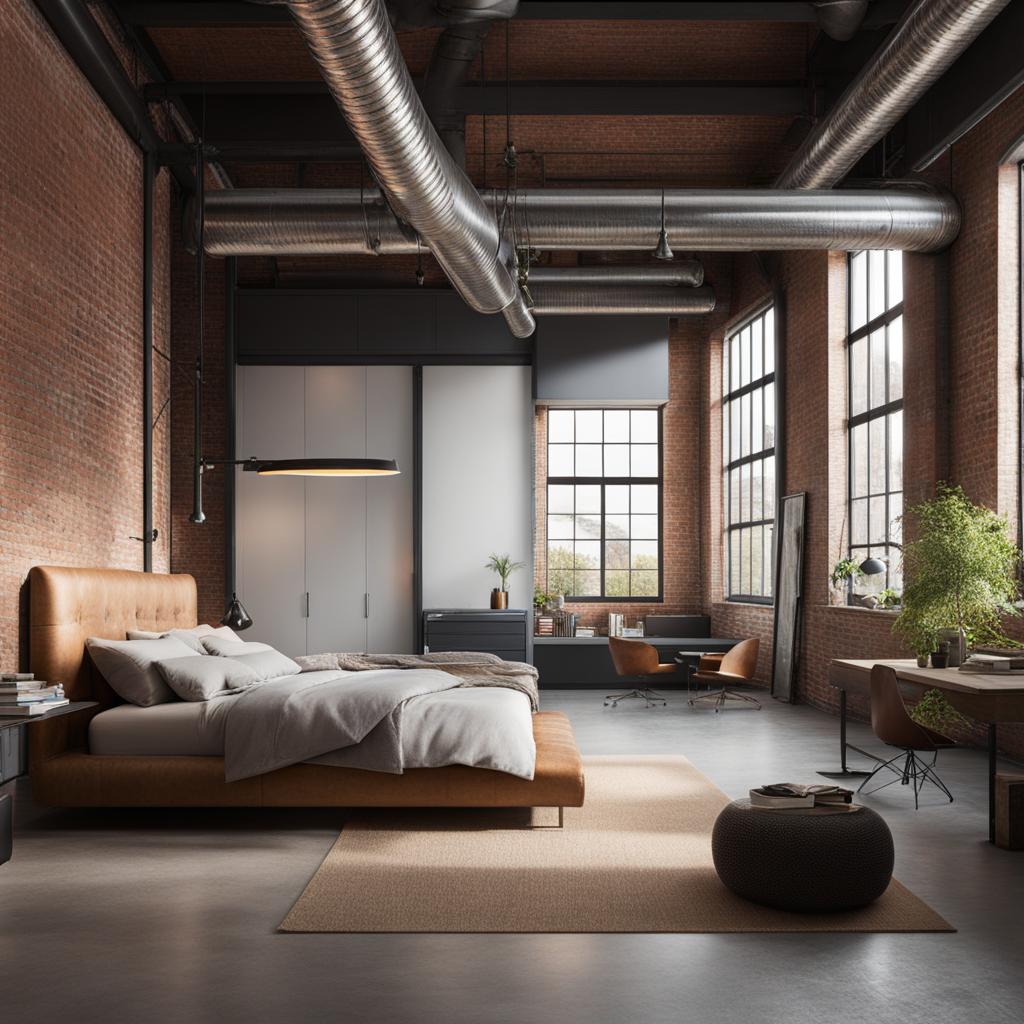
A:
574, 299
359, 58
677, 274
261, 222
928, 39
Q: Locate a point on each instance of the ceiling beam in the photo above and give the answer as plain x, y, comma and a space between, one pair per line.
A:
208, 13
250, 101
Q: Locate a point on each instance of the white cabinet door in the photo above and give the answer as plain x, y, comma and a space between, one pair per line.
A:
335, 426
389, 514
270, 527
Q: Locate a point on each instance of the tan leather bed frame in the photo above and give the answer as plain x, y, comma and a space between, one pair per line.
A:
69, 605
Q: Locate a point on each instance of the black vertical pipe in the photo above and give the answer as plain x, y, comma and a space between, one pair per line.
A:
230, 283
417, 504
198, 516
148, 178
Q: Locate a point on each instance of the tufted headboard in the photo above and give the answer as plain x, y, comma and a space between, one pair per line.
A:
68, 605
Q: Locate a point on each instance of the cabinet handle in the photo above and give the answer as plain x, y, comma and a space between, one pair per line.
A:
366, 606
306, 613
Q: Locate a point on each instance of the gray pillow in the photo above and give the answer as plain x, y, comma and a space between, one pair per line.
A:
262, 658
188, 636
203, 678
129, 666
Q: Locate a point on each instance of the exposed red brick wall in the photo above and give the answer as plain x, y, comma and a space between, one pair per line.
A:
71, 325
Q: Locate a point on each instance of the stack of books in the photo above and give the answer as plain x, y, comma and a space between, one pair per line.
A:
790, 794
21, 694
983, 661
545, 625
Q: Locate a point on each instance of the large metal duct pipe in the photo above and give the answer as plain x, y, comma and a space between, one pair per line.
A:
929, 37
840, 19
569, 299
263, 222
677, 274
358, 54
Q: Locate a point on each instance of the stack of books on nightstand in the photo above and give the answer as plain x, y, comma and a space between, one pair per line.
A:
23, 695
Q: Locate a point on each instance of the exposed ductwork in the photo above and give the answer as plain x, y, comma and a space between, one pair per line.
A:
358, 54
678, 274
260, 222
840, 19
928, 39
572, 298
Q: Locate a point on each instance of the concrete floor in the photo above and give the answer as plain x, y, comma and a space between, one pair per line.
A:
169, 916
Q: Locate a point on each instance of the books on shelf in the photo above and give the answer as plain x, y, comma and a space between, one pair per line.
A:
39, 707
781, 795
585, 632
22, 694
17, 677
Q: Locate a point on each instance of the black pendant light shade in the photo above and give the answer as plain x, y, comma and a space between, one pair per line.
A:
236, 617
323, 467
872, 566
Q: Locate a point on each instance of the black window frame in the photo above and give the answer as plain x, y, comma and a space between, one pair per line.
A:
883, 412
602, 482
728, 465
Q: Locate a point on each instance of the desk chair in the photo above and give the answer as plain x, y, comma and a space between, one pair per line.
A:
737, 666
635, 658
892, 724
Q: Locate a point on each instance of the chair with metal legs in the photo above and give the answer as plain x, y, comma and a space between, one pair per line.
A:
633, 658
892, 724
738, 665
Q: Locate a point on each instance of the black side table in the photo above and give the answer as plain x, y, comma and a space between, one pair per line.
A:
14, 733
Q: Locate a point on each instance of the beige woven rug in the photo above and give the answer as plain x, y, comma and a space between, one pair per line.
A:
636, 858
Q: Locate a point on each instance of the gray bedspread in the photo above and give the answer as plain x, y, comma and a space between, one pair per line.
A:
474, 668
298, 718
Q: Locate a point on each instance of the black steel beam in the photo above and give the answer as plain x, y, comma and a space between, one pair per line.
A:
986, 73
199, 13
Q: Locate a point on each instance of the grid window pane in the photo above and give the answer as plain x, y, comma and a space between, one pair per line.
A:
875, 368
748, 479
604, 503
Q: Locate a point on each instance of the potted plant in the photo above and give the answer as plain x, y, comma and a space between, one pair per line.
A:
961, 571
919, 632
933, 711
889, 598
845, 570
504, 567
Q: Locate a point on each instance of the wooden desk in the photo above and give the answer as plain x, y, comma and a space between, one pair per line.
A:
988, 698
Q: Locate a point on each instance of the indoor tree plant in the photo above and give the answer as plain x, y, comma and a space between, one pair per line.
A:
961, 571
504, 567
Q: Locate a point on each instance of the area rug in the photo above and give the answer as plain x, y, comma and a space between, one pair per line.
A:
636, 858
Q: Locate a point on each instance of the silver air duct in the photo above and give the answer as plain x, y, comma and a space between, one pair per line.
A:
573, 299
263, 222
359, 58
930, 36
840, 19
679, 274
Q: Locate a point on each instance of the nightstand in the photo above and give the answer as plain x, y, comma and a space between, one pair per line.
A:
14, 734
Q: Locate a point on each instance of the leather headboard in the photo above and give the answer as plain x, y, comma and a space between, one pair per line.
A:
68, 605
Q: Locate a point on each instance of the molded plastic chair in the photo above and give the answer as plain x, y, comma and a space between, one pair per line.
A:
635, 658
892, 724
738, 665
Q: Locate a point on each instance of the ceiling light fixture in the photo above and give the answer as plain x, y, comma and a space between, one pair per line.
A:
663, 251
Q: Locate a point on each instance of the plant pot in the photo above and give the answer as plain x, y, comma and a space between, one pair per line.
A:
939, 659
499, 598
922, 661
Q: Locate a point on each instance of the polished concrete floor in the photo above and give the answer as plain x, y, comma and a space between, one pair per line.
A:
169, 916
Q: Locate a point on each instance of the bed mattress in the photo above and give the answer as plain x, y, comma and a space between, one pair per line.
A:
465, 726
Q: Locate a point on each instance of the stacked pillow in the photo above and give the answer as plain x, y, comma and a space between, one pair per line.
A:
190, 664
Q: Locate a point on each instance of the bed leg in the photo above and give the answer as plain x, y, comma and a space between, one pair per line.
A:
561, 818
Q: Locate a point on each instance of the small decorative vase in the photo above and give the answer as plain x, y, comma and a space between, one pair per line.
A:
922, 661
499, 598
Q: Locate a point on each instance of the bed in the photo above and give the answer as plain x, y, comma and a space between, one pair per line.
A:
182, 767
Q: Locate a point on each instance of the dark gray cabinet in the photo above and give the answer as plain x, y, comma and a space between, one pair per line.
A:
504, 633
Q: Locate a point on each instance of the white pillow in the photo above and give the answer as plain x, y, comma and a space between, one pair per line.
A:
262, 658
129, 666
203, 678
188, 636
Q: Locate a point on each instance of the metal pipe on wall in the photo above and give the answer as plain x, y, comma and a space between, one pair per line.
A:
683, 273
928, 39
622, 300
260, 222
148, 534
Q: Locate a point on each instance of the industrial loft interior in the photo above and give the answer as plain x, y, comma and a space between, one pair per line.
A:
511, 511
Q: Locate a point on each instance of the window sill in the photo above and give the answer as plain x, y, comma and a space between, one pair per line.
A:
888, 613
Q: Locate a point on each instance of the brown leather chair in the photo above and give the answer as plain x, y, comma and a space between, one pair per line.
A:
892, 724
635, 658
738, 665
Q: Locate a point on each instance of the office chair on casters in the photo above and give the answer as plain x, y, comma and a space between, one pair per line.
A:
892, 724
635, 658
738, 666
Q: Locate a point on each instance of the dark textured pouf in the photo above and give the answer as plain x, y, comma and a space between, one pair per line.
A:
810, 862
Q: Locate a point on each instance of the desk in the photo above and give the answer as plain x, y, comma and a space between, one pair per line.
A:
986, 698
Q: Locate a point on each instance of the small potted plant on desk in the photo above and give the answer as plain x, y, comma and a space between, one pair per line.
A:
504, 567
961, 572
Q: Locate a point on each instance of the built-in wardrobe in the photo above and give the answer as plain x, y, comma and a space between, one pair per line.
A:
326, 564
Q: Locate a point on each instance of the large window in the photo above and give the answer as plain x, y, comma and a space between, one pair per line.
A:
748, 455
875, 352
604, 504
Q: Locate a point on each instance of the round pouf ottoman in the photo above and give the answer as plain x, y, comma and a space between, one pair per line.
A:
809, 861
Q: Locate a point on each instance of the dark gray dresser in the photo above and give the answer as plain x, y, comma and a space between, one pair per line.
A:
505, 633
